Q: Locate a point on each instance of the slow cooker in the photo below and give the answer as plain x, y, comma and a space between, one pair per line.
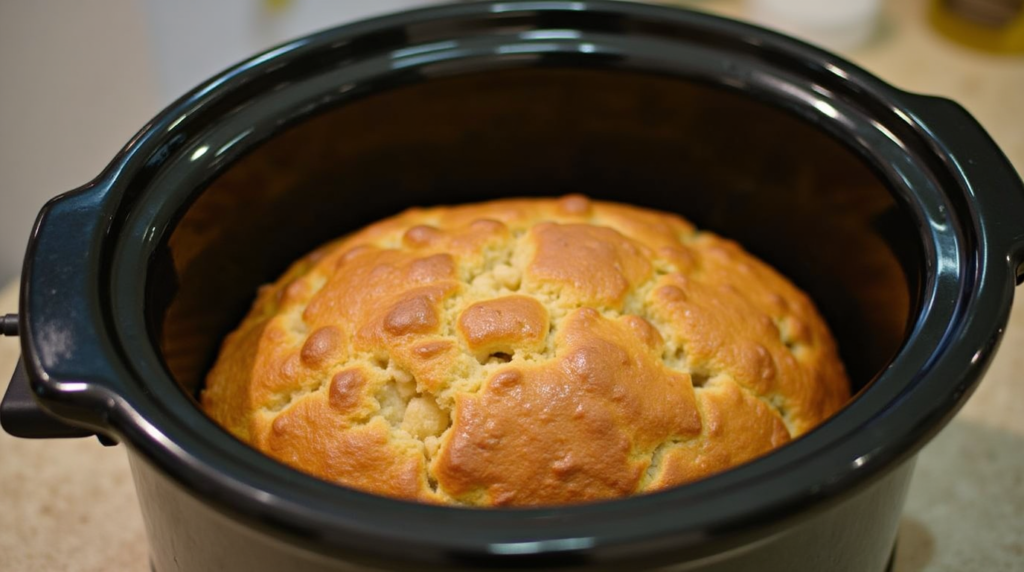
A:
895, 211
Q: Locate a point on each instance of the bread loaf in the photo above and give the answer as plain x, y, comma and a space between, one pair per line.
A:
525, 352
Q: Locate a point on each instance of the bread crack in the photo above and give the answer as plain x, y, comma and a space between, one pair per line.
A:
783, 324
283, 400
775, 403
654, 463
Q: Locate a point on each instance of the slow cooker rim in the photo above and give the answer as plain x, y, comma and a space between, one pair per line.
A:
143, 435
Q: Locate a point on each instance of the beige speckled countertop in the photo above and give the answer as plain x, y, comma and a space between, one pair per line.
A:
70, 505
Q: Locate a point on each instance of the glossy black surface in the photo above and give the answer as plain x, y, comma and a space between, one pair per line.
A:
22, 417
740, 167
857, 535
102, 267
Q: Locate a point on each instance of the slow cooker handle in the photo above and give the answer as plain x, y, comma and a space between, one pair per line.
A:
21, 416
985, 169
68, 383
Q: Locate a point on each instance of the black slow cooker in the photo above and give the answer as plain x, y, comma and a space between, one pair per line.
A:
896, 212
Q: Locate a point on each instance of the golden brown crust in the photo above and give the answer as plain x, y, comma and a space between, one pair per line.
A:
579, 426
525, 352
503, 325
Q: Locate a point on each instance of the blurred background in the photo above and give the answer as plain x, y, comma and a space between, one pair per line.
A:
78, 79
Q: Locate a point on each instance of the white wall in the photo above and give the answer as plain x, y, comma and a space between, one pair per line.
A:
194, 39
79, 78
75, 84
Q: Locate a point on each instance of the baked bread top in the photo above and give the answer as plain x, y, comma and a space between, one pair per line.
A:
525, 352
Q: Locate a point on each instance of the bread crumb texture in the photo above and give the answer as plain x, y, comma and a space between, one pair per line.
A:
525, 352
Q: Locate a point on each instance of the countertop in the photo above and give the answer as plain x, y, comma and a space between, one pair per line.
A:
70, 505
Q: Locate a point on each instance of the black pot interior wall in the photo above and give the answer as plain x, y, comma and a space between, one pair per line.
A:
788, 192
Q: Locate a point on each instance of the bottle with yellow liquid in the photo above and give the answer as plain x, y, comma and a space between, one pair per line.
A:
991, 25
